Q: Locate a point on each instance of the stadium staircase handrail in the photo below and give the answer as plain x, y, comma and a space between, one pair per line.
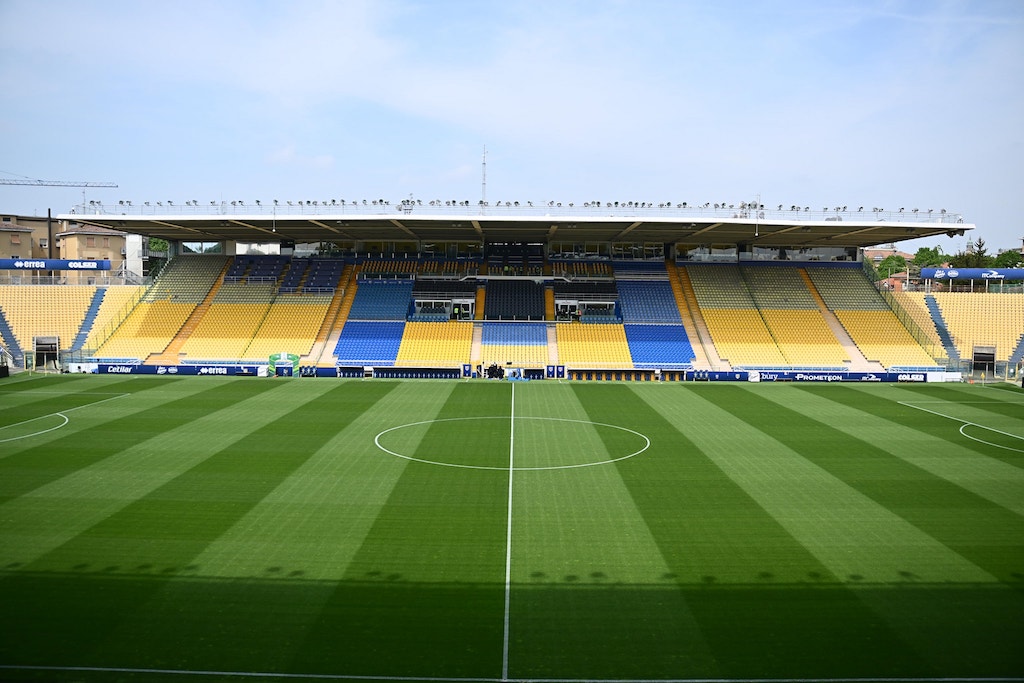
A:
760, 311
919, 335
108, 330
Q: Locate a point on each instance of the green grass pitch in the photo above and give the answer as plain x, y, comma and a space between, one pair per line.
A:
187, 529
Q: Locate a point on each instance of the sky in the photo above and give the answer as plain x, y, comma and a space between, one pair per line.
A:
875, 103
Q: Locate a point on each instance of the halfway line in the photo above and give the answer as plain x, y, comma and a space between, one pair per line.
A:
508, 534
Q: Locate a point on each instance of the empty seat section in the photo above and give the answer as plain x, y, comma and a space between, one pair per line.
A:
323, 276
514, 300
881, 337
431, 344
230, 322
719, 286
737, 329
983, 319
224, 331
372, 269
148, 329
381, 300
645, 270
115, 307
518, 343
45, 310
805, 339
846, 289
648, 302
778, 287
294, 275
741, 337
164, 308
593, 346
369, 342
187, 279
255, 268
867, 318
914, 304
656, 346
290, 326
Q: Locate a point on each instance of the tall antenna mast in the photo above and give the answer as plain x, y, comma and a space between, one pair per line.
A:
483, 184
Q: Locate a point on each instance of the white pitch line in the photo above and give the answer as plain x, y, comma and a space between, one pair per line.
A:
58, 414
453, 679
508, 535
960, 419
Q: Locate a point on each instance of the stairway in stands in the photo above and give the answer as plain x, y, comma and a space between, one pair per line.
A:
349, 277
858, 363
481, 297
940, 327
334, 313
169, 356
693, 322
10, 342
90, 318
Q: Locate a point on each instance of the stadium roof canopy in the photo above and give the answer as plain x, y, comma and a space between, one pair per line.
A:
463, 222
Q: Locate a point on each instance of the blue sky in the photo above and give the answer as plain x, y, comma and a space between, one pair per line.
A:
882, 103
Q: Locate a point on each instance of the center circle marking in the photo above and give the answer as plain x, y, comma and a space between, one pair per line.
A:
376, 441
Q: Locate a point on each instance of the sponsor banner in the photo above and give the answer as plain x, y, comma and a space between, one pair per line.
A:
796, 376
52, 264
972, 273
206, 370
717, 376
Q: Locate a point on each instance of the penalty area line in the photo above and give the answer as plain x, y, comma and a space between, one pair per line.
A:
960, 419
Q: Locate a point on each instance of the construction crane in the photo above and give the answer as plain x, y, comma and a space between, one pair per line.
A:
54, 183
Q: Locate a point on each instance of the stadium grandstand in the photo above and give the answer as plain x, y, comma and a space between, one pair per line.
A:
444, 289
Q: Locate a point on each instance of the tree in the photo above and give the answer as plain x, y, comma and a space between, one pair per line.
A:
893, 263
927, 257
976, 256
158, 244
1008, 259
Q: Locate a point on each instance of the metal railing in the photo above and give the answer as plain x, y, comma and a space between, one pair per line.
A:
452, 207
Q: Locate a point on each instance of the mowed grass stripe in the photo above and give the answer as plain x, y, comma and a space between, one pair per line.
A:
978, 404
824, 513
709, 528
252, 623
592, 595
424, 594
43, 519
286, 555
29, 405
863, 544
108, 429
984, 533
988, 477
766, 605
160, 535
956, 399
